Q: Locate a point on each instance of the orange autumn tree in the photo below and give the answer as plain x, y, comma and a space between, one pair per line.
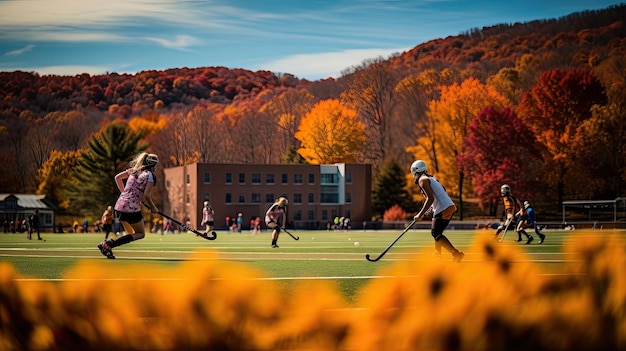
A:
55, 175
330, 133
458, 105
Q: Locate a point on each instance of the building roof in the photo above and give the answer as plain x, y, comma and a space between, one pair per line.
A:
31, 201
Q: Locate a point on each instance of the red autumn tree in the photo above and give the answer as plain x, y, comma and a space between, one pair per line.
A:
556, 108
500, 149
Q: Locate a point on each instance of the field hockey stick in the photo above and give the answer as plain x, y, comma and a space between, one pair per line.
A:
291, 235
506, 229
367, 256
184, 226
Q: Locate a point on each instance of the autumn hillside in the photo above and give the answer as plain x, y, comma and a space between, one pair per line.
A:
528, 104
581, 39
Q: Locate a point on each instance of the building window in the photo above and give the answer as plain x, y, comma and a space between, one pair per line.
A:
242, 198
297, 198
188, 199
207, 197
297, 178
188, 179
284, 178
229, 178
269, 198
311, 215
348, 214
256, 198
349, 178
324, 215
311, 178
207, 177
256, 178
269, 178
329, 195
297, 216
348, 198
47, 218
228, 198
329, 178
242, 178
311, 198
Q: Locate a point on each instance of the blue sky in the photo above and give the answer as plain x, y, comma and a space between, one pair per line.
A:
311, 39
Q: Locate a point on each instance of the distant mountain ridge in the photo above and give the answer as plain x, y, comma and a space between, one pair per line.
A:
581, 39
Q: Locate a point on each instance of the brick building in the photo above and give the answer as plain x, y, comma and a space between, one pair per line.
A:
316, 193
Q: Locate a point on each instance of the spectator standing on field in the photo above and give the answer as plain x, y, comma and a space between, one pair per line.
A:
33, 222
275, 216
239, 221
439, 203
140, 181
107, 221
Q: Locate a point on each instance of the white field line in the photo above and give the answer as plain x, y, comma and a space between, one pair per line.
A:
251, 279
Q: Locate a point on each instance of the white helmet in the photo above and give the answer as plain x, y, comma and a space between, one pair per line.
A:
418, 167
206, 203
505, 190
526, 204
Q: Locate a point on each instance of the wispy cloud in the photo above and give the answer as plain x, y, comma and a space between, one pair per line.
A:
20, 51
66, 70
180, 42
325, 65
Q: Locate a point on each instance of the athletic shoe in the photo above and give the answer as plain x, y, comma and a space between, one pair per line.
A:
541, 238
458, 256
530, 238
519, 240
274, 246
106, 250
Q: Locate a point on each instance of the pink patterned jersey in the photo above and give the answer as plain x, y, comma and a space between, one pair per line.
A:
274, 213
207, 215
130, 199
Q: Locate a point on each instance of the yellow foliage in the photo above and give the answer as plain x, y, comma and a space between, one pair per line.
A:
458, 105
496, 299
146, 127
330, 133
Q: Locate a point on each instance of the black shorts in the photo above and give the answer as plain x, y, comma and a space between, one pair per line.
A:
129, 217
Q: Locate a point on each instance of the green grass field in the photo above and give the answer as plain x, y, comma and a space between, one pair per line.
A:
318, 255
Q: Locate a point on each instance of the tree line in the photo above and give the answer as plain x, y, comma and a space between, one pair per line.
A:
539, 121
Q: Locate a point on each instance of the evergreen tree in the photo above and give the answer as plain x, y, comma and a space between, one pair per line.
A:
107, 154
292, 157
390, 188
